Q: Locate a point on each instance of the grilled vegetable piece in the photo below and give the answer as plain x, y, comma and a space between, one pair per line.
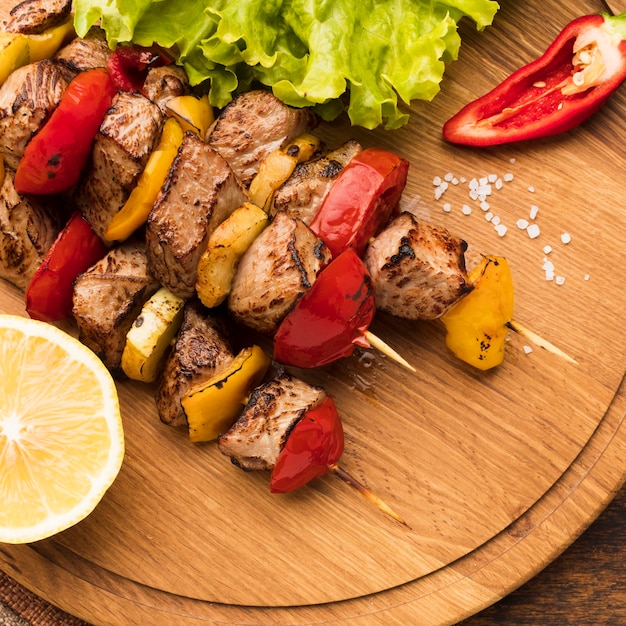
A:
331, 318
123, 144
194, 114
256, 439
227, 244
304, 191
280, 265
150, 336
418, 269
278, 166
477, 325
313, 447
136, 209
55, 157
201, 351
49, 292
108, 298
212, 406
362, 200
27, 98
28, 227
36, 16
252, 126
14, 53
200, 192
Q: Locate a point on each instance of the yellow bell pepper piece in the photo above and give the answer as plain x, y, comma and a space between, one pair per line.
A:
193, 114
17, 50
13, 53
213, 406
477, 324
227, 244
45, 45
278, 166
150, 336
142, 198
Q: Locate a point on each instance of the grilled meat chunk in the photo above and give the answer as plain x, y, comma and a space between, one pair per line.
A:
254, 124
32, 17
164, 83
201, 192
107, 299
256, 439
86, 53
418, 269
27, 230
279, 267
303, 193
200, 352
123, 144
27, 98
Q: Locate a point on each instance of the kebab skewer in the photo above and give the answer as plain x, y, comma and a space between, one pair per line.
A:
330, 232
332, 465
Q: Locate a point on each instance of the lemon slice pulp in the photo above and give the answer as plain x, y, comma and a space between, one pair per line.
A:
61, 435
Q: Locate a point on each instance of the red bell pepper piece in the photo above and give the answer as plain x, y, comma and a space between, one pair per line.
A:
129, 65
315, 443
331, 319
55, 156
584, 65
49, 292
361, 200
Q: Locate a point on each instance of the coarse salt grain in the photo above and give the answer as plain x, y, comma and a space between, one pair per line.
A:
527, 349
534, 209
496, 220
484, 205
507, 178
437, 181
498, 184
466, 209
501, 229
547, 249
522, 224
447, 207
531, 189
489, 216
587, 277
533, 231
566, 238
560, 280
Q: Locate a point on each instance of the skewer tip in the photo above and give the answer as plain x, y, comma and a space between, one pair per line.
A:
520, 329
369, 495
377, 343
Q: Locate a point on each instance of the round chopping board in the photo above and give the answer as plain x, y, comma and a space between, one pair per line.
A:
494, 473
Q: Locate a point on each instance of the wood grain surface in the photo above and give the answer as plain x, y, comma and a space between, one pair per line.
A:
494, 473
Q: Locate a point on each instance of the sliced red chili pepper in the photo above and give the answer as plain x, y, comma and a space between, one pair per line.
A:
129, 65
55, 156
314, 443
361, 200
584, 65
330, 320
49, 292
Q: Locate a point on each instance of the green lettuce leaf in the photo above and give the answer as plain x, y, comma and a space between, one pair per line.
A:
367, 57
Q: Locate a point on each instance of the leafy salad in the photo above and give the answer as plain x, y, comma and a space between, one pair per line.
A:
366, 57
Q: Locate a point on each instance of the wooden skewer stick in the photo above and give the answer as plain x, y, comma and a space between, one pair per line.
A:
369, 495
540, 341
377, 343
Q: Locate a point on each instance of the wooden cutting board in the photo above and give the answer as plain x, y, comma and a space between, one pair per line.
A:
495, 473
